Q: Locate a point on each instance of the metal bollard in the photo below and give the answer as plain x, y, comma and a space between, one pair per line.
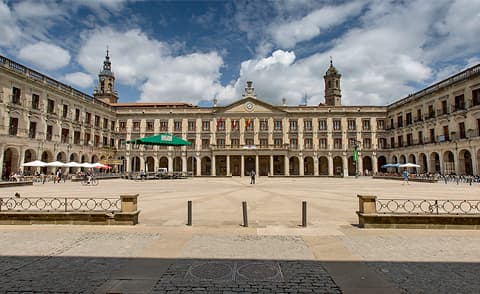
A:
304, 213
245, 216
189, 213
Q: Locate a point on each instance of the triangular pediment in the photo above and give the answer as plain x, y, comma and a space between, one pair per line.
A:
249, 105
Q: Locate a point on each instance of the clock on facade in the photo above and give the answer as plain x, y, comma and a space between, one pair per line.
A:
249, 106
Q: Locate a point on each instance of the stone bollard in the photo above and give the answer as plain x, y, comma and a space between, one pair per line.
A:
189, 213
129, 203
304, 214
245, 215
367, 204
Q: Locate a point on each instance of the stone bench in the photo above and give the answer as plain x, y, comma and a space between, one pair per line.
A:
127, 215
369, 217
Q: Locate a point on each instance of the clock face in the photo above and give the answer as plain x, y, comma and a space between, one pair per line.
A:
249, 106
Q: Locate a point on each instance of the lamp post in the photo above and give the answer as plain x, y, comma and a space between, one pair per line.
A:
355, 156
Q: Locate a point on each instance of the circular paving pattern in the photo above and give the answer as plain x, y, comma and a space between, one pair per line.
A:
258, 271
211, 271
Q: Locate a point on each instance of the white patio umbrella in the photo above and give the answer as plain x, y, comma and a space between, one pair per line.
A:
409, 165
55, 164
87, 165
35, 163
72, 164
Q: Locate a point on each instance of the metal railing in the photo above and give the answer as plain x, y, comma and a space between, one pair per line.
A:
60, 204
425, 206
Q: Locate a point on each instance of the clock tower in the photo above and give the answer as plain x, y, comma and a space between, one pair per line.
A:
106, 83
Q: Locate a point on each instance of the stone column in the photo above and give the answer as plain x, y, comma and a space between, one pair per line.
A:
374, 164
214, 170
345, 165
22, 157
427, 168
228, 165
330, 165
170, 162
287, 166
199, 166
301, 165
440, 158
257, 171
2, 151
128, 168
456, 163
475, 168
142, 163
242, 166
360, 164
271, 165
184, 162
315, 164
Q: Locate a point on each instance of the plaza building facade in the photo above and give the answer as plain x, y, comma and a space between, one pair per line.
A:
44, 119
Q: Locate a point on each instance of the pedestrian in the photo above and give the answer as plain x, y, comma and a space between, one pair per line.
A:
252, 177
58, 176
405, 177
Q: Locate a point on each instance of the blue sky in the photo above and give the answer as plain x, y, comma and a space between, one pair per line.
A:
193, 51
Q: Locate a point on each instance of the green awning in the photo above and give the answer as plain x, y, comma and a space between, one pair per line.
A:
160, 139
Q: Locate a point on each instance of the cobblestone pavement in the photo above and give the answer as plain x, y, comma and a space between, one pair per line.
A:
246, 276
161, 254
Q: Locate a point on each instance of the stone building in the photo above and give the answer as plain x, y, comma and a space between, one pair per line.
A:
44, 119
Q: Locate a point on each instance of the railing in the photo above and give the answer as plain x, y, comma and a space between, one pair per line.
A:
424, 206
60, 204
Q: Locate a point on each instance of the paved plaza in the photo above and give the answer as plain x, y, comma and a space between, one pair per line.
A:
218, 255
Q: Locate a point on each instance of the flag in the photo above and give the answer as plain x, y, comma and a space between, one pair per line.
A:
247, 122
219, 121
234, 124
355, 155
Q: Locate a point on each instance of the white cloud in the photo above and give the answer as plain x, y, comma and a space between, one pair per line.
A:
149, 64
47, 56
288, 34
34, 10
9, 31
79, 79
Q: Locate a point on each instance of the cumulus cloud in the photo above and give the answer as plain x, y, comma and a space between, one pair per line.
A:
47, 56
79, 79
288, 34
150, 65
9, 31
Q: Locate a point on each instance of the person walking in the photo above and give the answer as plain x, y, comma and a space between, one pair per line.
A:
252, 177
405, 177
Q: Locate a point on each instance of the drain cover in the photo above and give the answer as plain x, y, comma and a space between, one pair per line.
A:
260, 271
212, 271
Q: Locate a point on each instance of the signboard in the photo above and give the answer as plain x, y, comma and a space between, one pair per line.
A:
112, 161
166, 138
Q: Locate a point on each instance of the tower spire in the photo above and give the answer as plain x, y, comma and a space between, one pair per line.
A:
106, 82
333, 94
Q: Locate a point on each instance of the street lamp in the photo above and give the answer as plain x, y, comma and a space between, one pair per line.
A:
355, 156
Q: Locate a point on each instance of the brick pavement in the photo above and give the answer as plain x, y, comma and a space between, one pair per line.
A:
140, 259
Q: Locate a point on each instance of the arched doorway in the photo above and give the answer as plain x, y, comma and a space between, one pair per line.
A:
249, 164
29, 156
351, 166
150, 164
422, 161
62, 157
465, 162
394, 159
163, 162
323, 166
84, 159
381, 161
403, 159
308, 166
73, 158
177, 164
294, 166
435, 162
10, 162
206, 166
122, 167
367, 165
192, 165
448, 162
47, 156
412, 159
135, 164
278, 165
338, 165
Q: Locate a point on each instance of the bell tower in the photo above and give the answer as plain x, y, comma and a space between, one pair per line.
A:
106, 83
333, 94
